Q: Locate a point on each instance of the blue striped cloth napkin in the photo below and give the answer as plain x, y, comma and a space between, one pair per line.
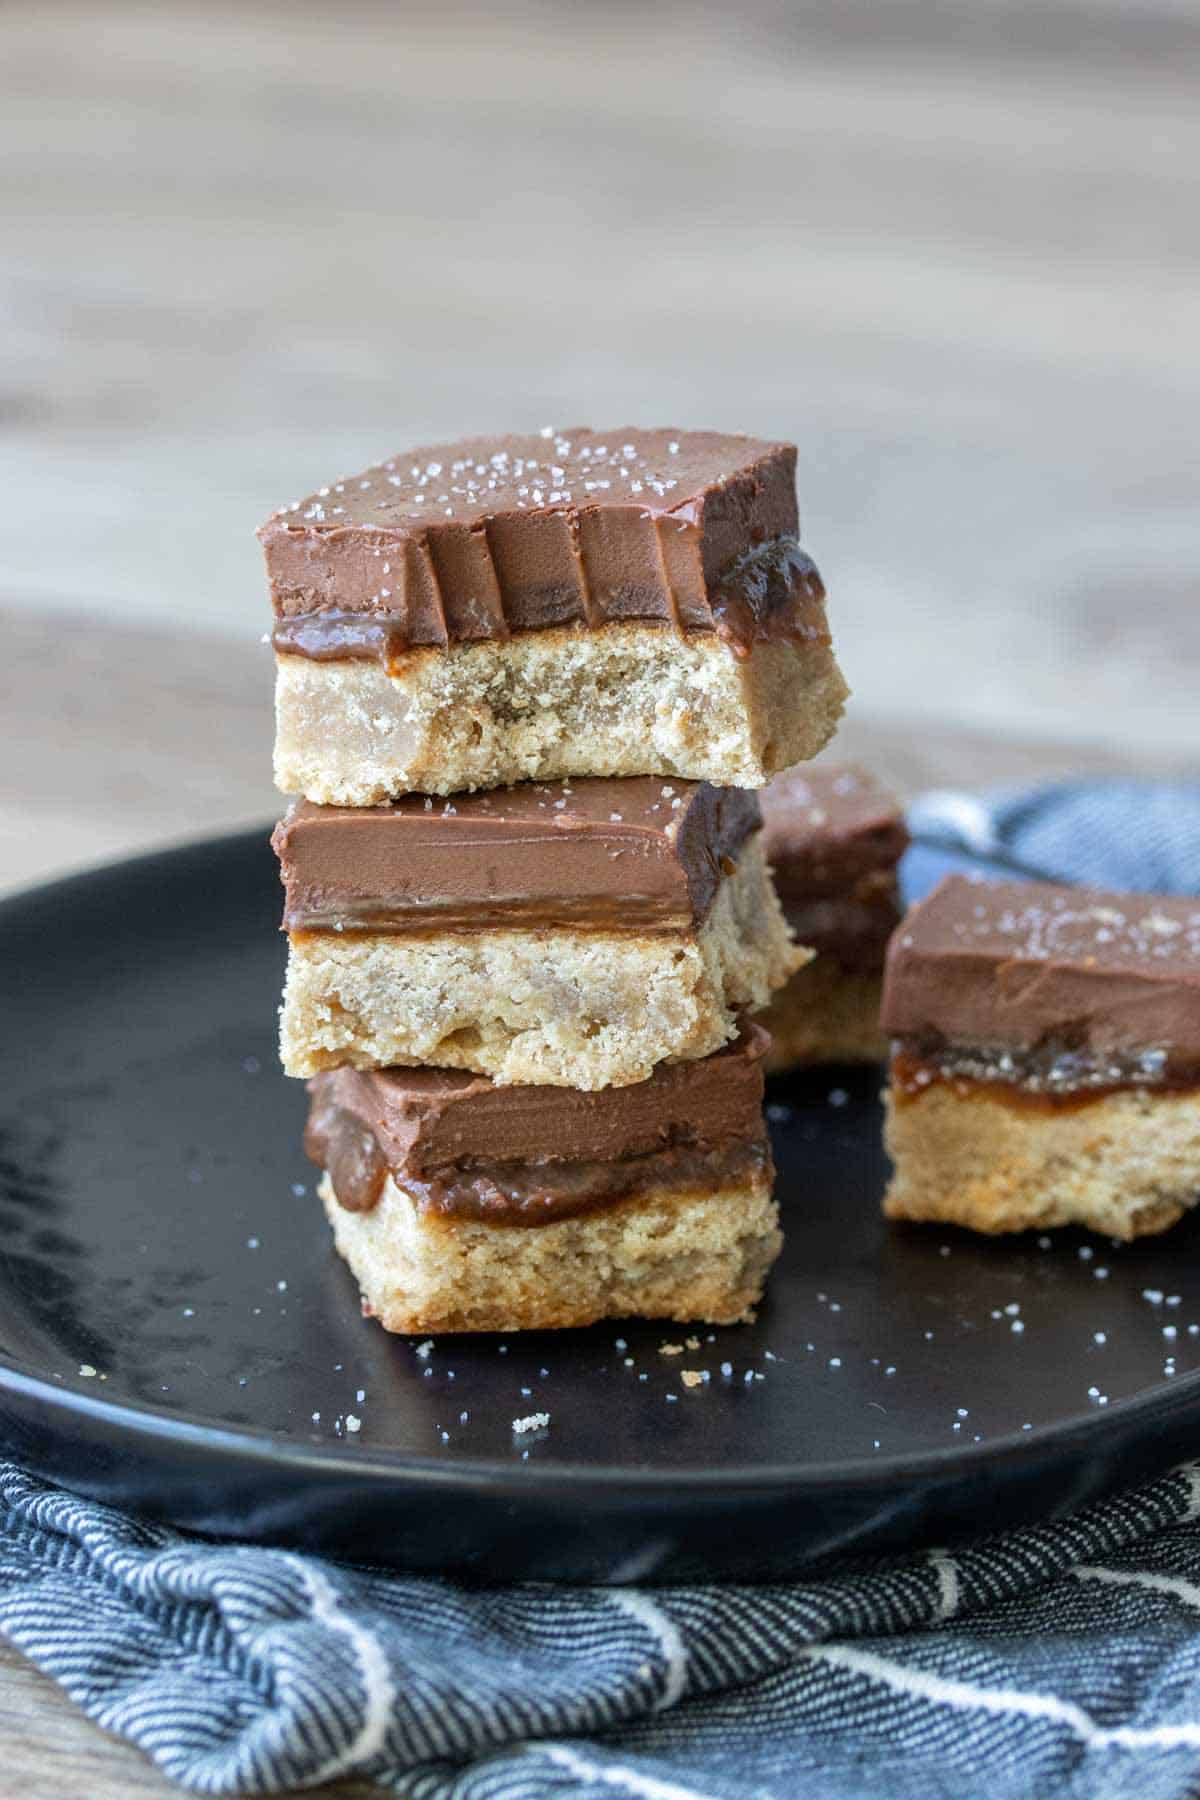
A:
1057, 1661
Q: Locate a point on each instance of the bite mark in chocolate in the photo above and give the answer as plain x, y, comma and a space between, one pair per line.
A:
638, 855
486, 537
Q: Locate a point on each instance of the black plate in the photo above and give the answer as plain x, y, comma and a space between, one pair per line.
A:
159, 1228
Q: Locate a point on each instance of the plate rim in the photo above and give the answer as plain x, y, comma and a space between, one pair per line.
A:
249, 1447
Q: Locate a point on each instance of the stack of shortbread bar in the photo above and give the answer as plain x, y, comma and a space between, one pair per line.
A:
526, 688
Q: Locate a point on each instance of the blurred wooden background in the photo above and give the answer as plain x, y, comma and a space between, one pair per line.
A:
951, 246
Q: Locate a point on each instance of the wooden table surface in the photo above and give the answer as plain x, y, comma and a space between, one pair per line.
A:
954, 250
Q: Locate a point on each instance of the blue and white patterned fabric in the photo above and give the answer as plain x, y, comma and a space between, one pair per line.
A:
1057, 1661
1117, 834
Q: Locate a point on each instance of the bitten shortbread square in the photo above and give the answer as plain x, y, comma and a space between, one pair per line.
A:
462, 1206
833, 837
1046, 1058
531, 608
574, 934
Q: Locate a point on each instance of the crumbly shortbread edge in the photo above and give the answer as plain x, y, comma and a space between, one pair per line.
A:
1126, 1164
680, 1254
621, 700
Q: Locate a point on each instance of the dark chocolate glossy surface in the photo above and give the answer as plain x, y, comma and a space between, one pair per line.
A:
158, 1227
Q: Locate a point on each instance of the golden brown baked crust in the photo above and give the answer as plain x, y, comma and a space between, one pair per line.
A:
622, 700
680, 1254
1126, 1164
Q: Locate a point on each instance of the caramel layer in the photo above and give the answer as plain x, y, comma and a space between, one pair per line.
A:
852, 931
913, 1076
526, 1194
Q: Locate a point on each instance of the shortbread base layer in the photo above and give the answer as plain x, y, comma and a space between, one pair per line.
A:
622, 700
1127, 1164
559, 1008
824, 1014
668, 1254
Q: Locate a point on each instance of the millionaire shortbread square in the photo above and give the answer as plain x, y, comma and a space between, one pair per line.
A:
463, 1206
574, 933
1046, 1058
833, 836
507, 609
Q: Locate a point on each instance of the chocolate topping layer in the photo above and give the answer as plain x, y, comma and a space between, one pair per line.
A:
637, 855
1027, 966
826, 827
524, 1155
489, 536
